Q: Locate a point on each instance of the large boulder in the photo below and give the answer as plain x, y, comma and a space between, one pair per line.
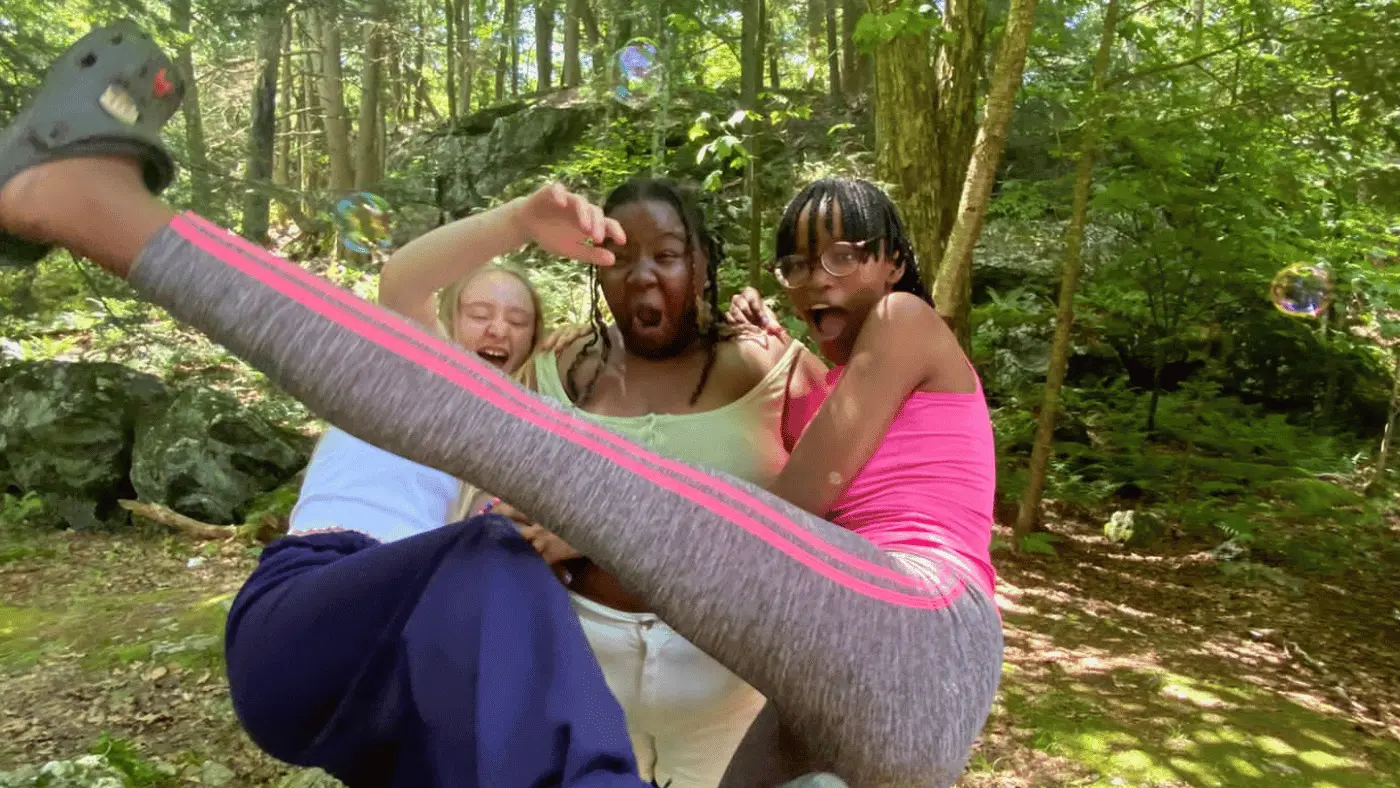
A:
475, 158
66, 430
208, 457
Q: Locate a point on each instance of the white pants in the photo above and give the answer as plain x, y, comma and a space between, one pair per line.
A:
686, 713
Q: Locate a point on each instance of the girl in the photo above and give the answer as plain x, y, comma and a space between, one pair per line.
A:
663, 375
494, 312
879, 663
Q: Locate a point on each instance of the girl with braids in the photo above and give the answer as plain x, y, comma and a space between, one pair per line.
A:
443, 659
669, 375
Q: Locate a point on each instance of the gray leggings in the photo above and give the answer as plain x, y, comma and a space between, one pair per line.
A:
872, 674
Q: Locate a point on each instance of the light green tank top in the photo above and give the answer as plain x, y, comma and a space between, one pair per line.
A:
743, 438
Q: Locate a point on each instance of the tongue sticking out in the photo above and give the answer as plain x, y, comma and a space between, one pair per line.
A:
829, 323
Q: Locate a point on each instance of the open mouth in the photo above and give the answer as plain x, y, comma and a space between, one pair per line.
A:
829, 321
495, 356
647, 316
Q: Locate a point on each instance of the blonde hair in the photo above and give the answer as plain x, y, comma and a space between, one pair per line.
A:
447, 307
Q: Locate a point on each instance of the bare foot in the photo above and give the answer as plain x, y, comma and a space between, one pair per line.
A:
41, 202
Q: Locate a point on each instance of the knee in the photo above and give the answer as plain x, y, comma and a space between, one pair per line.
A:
920, 754
917, 727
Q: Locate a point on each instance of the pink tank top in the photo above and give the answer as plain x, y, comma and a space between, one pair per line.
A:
930, 486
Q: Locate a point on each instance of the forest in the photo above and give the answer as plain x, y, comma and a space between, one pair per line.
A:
1166, 232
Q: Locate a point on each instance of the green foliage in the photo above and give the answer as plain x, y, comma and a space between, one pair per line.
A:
17, 511
1038, 543
124, 756
910, 17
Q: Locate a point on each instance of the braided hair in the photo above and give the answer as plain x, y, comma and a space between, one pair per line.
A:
686, 204
867, 213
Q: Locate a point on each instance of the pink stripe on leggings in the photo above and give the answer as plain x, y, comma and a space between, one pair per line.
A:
381, 331
454, 356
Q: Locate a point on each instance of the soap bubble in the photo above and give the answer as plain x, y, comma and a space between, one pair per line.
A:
638, 73
363, 221
1302, 290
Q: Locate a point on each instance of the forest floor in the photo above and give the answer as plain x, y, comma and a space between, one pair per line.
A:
1121, 669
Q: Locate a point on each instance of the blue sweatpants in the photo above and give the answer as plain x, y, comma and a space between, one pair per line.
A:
450, 659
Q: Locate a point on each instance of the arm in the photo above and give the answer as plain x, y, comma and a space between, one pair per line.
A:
885, 368
559, 221
415, 273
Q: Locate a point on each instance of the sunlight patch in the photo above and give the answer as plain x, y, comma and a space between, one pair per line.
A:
1321, 738
1202, 774
1179, 688
1244, 767
1274, 745
222, 600
1326, 760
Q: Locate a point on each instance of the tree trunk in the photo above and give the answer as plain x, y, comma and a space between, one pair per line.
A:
952, 288
194, 122
466, 56
855, 67
1334, 325
816, 19
511, 28
959, 69
501, 60
1198, 18
595, 39
750, 56
1069, 281
282, 173
367, 174
415, 68
621, 34
261, 137
764, 38
1159, 360
573, 61
750, 79
907, 152
772, 48
544, 45
397, 106
333, 102
449, 13
308, 122
1388, 437
833, 51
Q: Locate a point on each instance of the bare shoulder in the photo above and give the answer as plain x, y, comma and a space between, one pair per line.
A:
757, 350
906, 330
584, 355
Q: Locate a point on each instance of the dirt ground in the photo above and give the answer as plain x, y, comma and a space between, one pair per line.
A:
1121, 669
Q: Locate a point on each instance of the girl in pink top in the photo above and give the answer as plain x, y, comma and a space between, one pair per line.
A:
895, 442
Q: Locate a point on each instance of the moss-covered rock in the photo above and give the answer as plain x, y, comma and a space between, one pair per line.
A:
89, 771
209, 457
66, 431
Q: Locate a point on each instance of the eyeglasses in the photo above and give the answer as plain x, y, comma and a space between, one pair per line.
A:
838, 259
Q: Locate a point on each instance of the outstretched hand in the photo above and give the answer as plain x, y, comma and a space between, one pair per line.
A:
568, 225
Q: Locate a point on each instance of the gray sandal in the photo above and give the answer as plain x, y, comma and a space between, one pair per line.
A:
107, 95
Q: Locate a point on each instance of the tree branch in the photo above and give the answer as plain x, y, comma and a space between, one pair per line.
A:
1236, 44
